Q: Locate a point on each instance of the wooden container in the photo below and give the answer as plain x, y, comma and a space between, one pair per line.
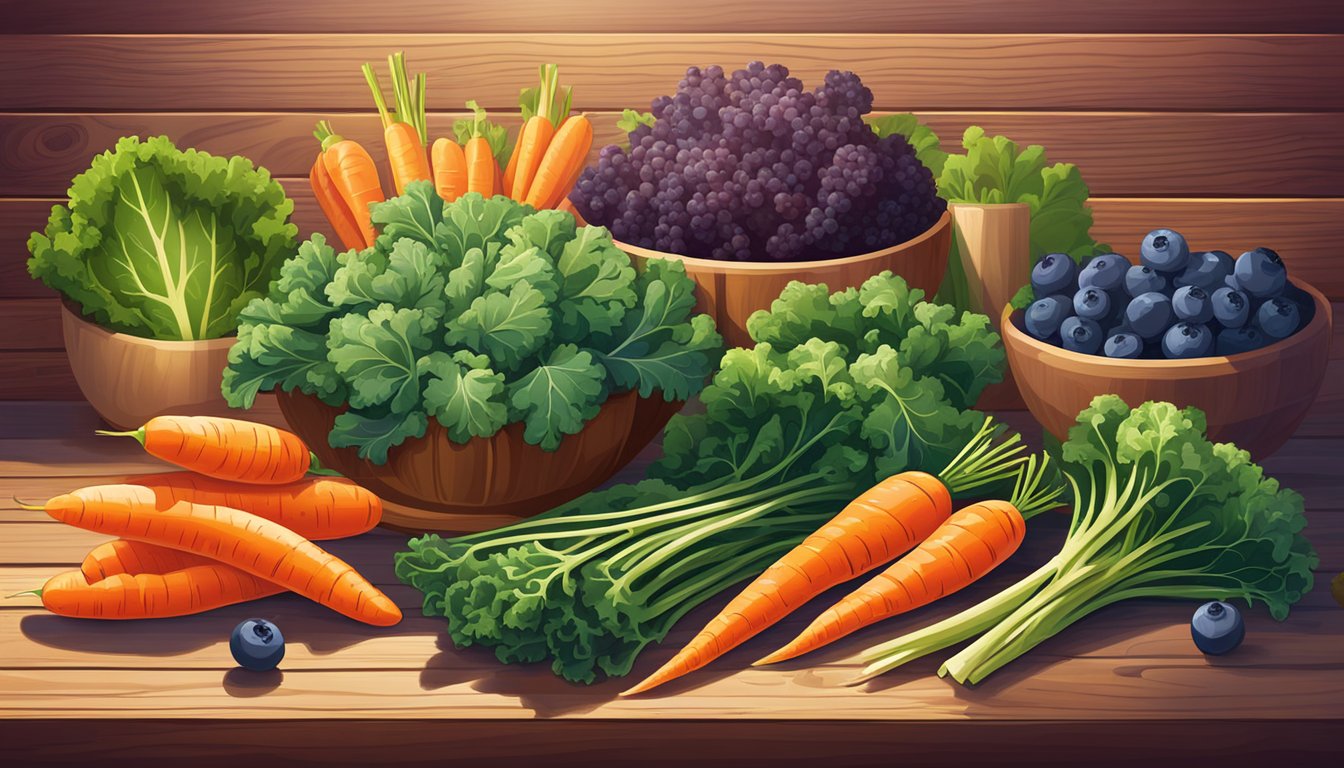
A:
129, 379
994, 248
436, 484
730, 291
1256, 399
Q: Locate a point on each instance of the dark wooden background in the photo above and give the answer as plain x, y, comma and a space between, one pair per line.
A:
1218, 119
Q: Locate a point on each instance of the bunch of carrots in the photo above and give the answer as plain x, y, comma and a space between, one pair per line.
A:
540, 170
909, 512
237, 526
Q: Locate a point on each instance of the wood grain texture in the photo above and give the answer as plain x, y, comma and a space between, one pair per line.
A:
745, 741
905, 16
1121, 154
920, 72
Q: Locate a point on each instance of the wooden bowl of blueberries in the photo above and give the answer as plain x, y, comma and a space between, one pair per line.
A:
1236, 337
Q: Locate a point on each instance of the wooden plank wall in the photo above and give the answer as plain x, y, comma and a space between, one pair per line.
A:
1219, 120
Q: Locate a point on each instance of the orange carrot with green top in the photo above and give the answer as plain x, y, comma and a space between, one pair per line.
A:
355, 176
245, 541
404, 130
331, 202
879, 525
569, 149
481, 164
227, 449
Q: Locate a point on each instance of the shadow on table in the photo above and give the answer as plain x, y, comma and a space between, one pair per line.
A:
245, 684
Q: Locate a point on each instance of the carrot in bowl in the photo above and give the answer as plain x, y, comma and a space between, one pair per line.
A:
227, 449
252, 544
403, 130
971, 543
883, 522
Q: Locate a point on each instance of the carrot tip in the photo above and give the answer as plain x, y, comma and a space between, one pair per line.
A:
138, 434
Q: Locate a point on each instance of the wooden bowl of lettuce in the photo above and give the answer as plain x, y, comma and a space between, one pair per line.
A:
481, 359
153, 256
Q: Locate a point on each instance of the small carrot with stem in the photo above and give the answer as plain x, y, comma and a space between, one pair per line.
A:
568, 150
880, 524
180, 592
332, 203
354, 176
403, 129
972, 542
481, 165
541, 118
227, 449
249, 543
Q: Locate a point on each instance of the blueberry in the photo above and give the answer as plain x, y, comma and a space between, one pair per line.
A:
1078, 334
1124, 344
1261, 273
1278, 318
1186, 340
1164, 250
1217, 628
1106, 272
1192, 304
1092, 303
1234, 341
1045, 315
1054, 273
257, 645
1142, 278
1231, 307
1149, 314
1206, 269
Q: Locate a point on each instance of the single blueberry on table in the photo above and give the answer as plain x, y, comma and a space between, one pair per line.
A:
1217, 628
1261, 273
1207, 269
257, 645
1141, 278
1192, 304
1044, 316
1186, 340
1278, 318
1106, 272
1054, 273
1164, 250
1123, 344
1234, 341
1078, 334
1092, 303
1149, 315
1231, 307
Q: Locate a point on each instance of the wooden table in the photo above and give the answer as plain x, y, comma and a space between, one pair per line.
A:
1119, 684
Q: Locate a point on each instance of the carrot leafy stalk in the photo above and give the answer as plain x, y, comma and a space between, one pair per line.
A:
404, 129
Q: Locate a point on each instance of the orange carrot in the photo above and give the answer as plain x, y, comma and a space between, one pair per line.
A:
567, 150
511, 169
450, 169
403, 130
885, 521
131, 557
481, 164
499, 178
354, 175
180, 592
333, 205
227, 449
315, 508
972, 542
532, 142
249, 543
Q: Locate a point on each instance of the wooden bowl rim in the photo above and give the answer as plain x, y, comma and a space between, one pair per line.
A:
1320, 325
206, 345
782, 267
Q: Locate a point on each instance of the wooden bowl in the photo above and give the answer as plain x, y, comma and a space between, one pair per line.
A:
439, 485
129, 379
1256, 399
729, 291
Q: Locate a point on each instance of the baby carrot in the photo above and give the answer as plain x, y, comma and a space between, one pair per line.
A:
227, 449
